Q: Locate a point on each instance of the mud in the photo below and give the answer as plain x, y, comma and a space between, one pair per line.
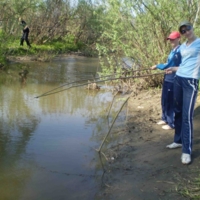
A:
141, 167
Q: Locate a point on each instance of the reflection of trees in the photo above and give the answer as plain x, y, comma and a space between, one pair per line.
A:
62, 70
17, 123
75, 101
89, 104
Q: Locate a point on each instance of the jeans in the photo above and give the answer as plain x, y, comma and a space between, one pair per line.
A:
185, 94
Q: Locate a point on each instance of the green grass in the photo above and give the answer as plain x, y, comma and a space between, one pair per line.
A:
191, 189
56, 46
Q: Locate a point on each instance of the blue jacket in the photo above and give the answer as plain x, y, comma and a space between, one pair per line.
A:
174, 59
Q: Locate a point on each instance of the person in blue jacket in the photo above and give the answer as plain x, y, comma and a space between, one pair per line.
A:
174, 59
185, 91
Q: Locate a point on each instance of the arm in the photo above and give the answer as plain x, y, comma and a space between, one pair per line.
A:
160, 66
163, 66
174, 59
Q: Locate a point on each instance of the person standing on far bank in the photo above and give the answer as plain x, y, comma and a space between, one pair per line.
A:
185, 91
174, 59
25, 34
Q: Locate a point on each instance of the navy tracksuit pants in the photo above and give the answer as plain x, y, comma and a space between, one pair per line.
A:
185, 94
167, 100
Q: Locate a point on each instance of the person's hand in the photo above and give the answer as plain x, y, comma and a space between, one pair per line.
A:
153, 67
171, 70
168, 71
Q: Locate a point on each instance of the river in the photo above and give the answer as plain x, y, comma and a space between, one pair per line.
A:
47, 144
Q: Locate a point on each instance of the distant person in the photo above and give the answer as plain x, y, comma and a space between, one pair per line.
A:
174, 59
25, 34
186, 84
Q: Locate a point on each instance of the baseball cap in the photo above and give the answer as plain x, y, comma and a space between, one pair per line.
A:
174, 35
184, 23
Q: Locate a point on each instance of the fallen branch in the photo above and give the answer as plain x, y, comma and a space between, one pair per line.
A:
112, 125
111, 104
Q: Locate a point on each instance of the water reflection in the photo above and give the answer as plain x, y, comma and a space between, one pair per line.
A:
47, 145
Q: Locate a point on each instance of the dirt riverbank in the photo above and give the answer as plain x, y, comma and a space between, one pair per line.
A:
142, 168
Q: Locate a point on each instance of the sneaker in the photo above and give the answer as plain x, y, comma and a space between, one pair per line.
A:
186, 158
173, 145
167, 127
161, 122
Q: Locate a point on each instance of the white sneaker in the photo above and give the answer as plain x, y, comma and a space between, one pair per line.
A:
173, 145
186, 158
161, 122
167, 127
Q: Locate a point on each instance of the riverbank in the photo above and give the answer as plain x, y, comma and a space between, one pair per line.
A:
141, 167
43, 57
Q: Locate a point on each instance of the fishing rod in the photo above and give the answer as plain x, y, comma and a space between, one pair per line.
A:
49, 92
72, 83
78, 85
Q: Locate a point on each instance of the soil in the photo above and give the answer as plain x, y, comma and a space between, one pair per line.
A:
140, 166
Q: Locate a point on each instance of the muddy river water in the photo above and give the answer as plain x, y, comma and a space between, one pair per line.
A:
47, 144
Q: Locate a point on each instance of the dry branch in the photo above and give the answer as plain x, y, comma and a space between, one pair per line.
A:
112, 125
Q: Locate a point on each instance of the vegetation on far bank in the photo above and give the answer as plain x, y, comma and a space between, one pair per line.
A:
46, 51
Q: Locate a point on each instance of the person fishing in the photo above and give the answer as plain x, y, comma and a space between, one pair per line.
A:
174, 59
25, 34
186, 84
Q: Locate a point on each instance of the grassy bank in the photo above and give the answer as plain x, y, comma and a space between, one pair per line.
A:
45, 51
56, 46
